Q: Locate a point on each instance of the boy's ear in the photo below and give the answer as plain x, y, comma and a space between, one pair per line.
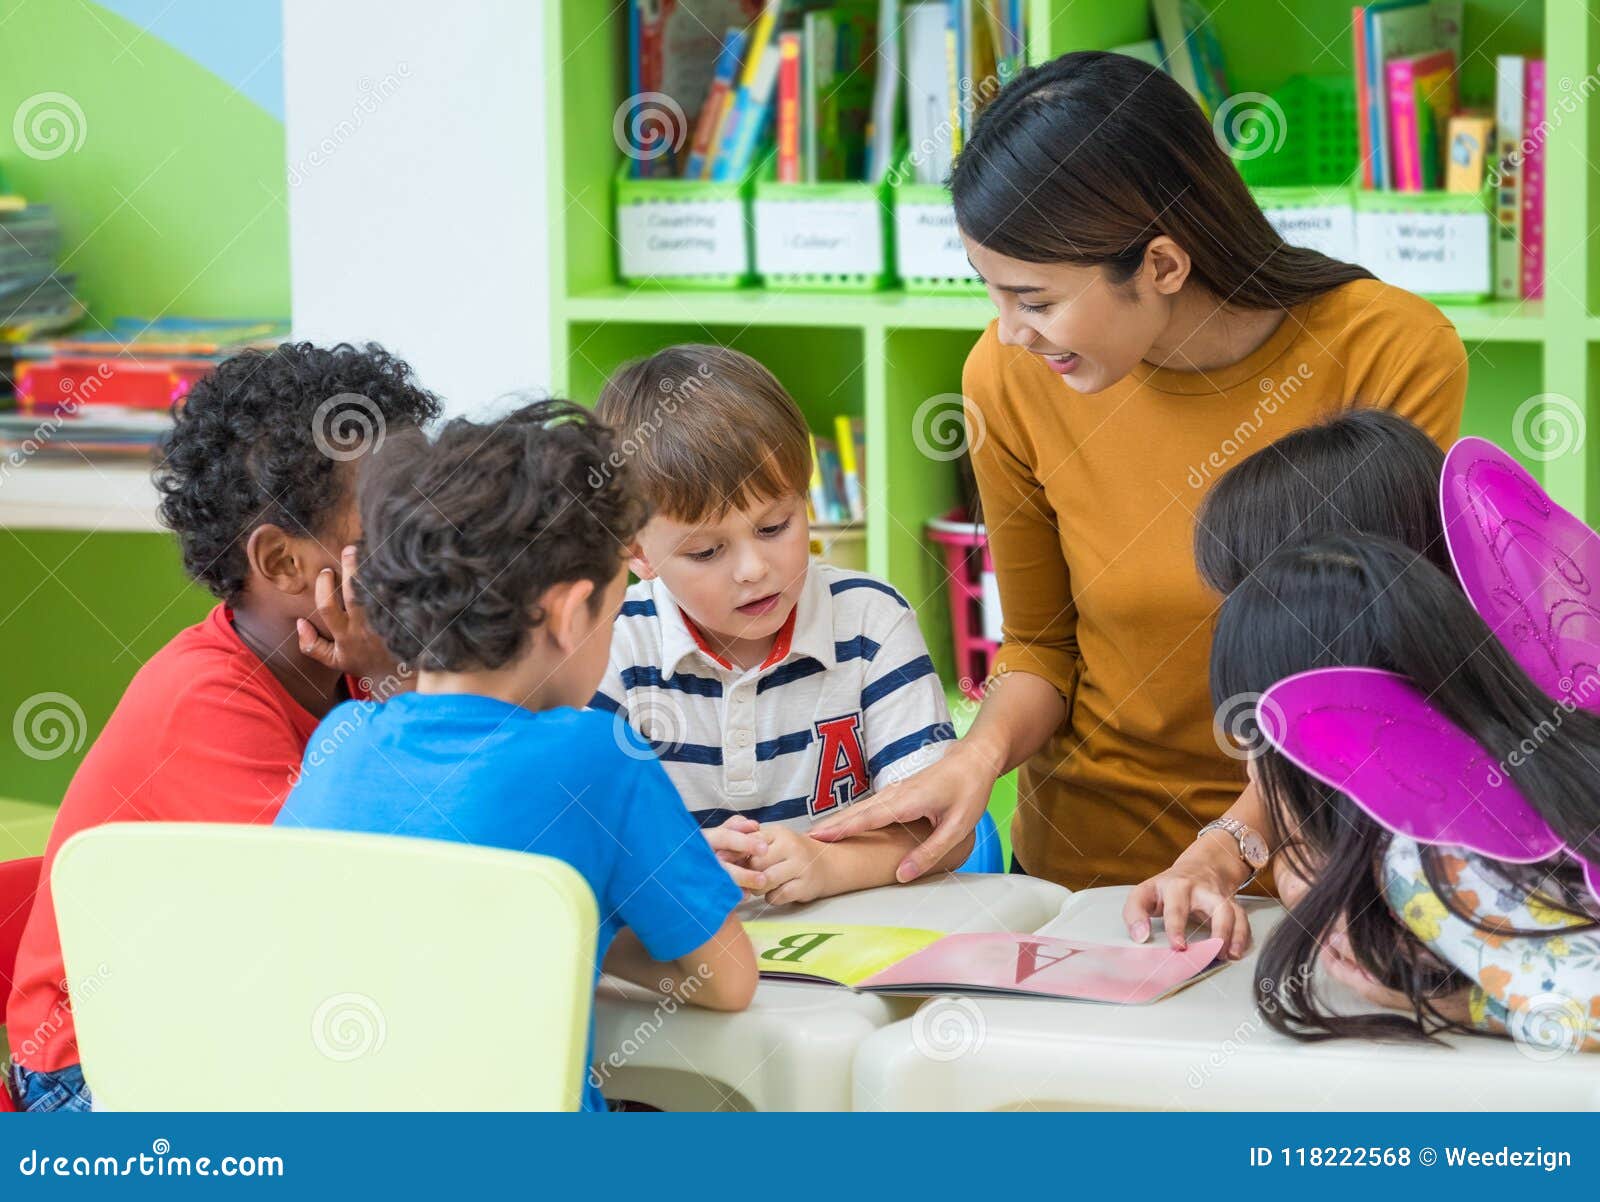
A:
568, 618
639, 565
278, 557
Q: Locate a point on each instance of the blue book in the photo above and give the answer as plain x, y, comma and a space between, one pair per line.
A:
722, 82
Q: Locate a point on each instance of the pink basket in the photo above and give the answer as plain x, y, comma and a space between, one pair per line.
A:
967, 562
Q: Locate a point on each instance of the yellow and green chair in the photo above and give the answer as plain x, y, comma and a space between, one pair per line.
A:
220, 967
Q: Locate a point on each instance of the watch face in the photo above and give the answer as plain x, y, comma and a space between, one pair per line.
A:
1255, 850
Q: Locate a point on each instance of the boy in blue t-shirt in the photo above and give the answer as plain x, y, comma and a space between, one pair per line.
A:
495, 567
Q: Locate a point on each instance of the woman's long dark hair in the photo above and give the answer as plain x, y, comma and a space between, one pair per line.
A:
1089, 157
1365, 471
1361, 601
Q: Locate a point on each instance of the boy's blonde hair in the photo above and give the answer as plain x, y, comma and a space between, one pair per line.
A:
706, 429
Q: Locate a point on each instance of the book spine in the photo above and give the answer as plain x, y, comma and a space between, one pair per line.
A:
1404, 137
646, 73
1358, 33
952, 68
1532, 235
755, 103
855, 498
1377, 116
1509, 69
712, 111
789, 108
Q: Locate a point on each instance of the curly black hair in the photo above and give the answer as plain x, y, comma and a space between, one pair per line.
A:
462, 536
263, 440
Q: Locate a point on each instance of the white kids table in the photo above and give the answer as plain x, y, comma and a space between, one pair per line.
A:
795, 1047
1205, 1048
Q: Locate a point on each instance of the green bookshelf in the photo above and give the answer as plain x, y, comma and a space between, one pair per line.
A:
882, 355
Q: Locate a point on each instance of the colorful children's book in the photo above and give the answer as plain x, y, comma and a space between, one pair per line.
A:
1422, 96
789, 108
673, 50
1509, 102
883, 128
851, 432
747, 121
1393, 31
904, 960
1470, 142
1532, 234
716, 102
1190, 50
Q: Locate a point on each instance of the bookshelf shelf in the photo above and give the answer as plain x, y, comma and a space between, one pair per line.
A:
93, 497
884, 355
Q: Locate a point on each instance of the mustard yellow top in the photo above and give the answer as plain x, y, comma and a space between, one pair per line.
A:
1090, 504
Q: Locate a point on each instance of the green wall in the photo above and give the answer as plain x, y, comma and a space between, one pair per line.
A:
174, 203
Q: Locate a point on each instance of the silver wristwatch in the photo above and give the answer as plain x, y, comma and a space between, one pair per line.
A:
1252, 847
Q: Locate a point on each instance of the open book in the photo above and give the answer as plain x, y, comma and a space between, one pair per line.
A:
906, 960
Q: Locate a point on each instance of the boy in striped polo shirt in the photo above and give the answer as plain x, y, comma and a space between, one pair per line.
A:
774, 690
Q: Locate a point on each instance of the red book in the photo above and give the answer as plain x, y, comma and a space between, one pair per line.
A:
1533, 139
1358, 24
789, 108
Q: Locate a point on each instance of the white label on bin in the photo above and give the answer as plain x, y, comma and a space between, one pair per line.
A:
682, 237
1426, 252
927, 243
819, 237
1330, 229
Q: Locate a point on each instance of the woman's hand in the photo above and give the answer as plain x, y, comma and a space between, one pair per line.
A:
951, 794
1200, 884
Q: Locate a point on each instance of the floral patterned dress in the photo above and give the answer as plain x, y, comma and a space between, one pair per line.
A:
1544, 990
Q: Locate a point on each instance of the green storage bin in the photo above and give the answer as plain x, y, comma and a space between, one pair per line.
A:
929, 257
683, 233
823, 237
1304, 135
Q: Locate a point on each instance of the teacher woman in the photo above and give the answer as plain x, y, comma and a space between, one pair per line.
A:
1153, 329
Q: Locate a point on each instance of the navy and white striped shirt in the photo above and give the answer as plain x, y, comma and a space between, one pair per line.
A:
847, 702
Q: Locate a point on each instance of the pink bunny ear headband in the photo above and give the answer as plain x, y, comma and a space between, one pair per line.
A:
1532, 570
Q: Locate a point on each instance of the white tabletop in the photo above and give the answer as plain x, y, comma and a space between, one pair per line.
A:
795, 1047
1204, 1048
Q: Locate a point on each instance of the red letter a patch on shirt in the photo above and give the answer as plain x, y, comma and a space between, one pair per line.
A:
841, 765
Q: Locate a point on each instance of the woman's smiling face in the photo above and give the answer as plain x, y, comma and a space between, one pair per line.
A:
1088, 330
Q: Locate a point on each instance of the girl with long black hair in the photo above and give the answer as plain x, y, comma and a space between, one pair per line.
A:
1455, 939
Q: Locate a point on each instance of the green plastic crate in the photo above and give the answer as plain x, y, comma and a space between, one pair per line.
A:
1303, 135
696, 208
852, 215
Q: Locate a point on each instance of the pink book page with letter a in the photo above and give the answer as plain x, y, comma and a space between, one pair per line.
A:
1041, 966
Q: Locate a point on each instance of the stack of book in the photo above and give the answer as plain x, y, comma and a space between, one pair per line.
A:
818, 79
1416, 135
35, 298
112, 393
838, 474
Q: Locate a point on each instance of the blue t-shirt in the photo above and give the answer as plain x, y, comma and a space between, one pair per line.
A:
565, 783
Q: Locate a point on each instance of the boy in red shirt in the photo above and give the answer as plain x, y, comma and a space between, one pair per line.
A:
257, 481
